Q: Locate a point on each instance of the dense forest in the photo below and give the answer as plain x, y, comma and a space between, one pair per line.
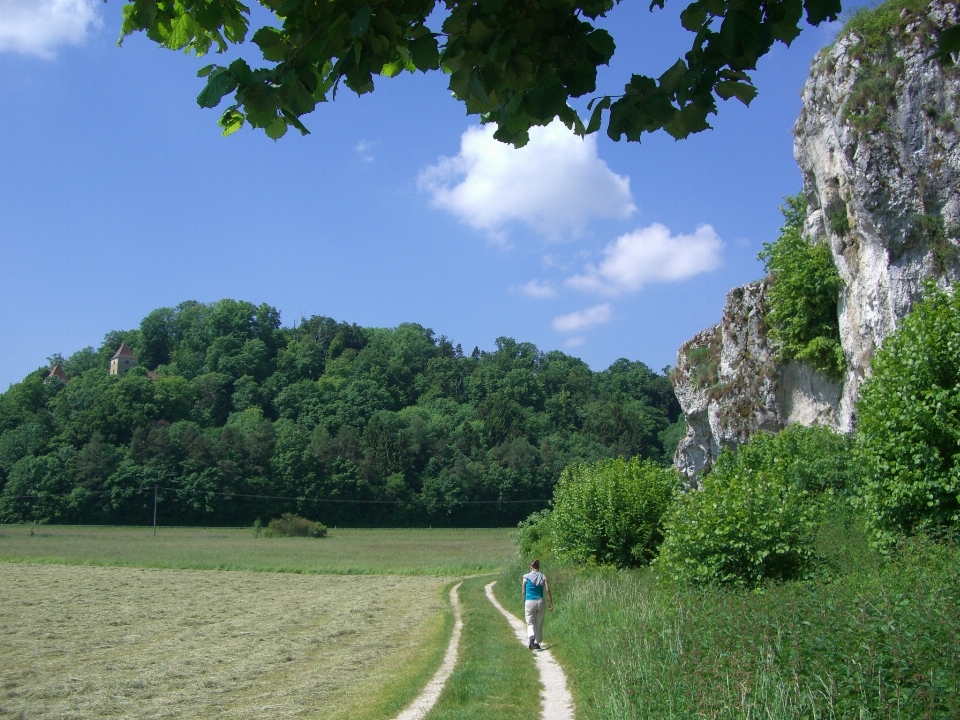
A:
241, 419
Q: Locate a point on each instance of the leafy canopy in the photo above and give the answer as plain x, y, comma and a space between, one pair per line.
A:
514, 64
803, 298
908, 423
397, 426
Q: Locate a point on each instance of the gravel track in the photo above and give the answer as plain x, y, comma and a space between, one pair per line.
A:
556, 698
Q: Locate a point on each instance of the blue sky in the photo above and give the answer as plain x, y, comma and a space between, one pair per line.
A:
118, 195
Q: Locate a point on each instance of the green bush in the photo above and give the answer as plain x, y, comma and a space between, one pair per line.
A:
756, 515
908, 423
535, 535
609, 512
289, 525
802, 300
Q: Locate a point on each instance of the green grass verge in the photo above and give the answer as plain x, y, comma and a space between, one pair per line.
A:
345, 551
495, 676
869, 639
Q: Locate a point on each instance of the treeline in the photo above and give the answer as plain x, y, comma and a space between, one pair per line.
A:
245, 419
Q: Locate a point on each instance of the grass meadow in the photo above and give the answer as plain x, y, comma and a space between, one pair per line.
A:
866, 638
114, 622
110, 642
450, 552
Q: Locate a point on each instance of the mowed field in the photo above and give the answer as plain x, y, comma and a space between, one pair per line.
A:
102, 622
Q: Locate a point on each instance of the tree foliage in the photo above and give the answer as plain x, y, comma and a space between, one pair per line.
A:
514, 64
908, 422
758, 510
803, 299
359, 425
610, 512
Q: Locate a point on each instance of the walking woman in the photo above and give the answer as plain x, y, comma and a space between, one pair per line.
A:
533, 585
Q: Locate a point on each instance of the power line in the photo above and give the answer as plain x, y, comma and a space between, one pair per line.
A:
293, 499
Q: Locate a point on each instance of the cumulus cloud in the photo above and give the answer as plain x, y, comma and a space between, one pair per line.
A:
538, 289
583, 319
554, 184
575, 341
38, 27
648, 255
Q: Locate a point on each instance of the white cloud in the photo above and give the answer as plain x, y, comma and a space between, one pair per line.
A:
554, 184
648, 255
583, 319
538, 289
363, 149
38, 27
575, 341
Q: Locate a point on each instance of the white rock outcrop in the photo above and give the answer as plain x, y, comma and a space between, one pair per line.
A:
878, 144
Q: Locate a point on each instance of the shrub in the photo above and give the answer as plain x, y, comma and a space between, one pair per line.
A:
609, 512
802, 300
289, 525
535, 535
755, 517
908, 423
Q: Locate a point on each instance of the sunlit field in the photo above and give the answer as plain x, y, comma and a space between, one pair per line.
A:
146, 643
449, 552
114, 622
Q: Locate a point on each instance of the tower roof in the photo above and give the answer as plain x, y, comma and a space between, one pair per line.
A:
58, 372
123, 351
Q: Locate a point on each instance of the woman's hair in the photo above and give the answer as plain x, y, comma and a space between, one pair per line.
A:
535, 564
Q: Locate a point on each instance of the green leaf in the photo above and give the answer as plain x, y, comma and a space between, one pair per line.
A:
820, 10
276, 129
272, 44
360, 21
744, 92
204, 71
693, 17
182, 32
597, 117
425, 53
231, 121
948, 45
672, 81
219, 82
602, 42
392, 69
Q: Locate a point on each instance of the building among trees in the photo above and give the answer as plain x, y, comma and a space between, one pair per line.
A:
58, 373
123, 360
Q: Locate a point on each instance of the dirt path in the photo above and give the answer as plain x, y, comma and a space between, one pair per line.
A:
425, 701
557, 701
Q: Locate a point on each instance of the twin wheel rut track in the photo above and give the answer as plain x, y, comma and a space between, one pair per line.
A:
556, 703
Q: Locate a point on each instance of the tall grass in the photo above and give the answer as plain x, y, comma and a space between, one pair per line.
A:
400, 552
868, 638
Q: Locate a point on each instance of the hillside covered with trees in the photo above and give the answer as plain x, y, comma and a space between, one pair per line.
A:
242, 419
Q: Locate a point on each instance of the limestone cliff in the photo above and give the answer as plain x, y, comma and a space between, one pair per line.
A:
877, 142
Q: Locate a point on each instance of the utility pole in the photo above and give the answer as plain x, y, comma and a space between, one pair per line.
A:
154, 510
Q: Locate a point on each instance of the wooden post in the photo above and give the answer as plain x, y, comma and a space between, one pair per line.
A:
154, 510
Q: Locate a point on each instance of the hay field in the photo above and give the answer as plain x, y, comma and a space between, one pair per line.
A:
453, 552
112, 642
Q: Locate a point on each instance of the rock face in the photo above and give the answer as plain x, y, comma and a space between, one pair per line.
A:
878, 144
730, 385
893, 175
